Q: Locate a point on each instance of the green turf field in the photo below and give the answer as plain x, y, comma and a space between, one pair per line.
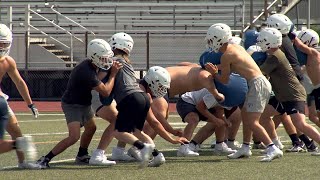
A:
49, 129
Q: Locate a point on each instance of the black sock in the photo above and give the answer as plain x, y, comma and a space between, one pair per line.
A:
257, 142
294, 139
270, 145
218, 142
155, 152
248, 144
50, 155
138, 144
305, 139
82, 151
193, 142
231, 140
14, 146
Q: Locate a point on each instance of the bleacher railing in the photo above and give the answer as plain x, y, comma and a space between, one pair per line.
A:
260, 15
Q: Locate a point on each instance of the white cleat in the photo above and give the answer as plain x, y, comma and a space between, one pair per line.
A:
120, 154
157, 161
316, 152
244, 151
222, 148
135, 153
194, 148
99, 158
273, 152
29, 165
234, 145
145, 154
278, 143
185, 151
26, 145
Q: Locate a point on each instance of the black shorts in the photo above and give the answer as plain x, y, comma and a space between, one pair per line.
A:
310, 98
276, 105
289, 107
4, 116
316, 94
132, 112
184, 108
229, 112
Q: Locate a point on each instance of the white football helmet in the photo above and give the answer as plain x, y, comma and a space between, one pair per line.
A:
122, 41
217, 35
309, 37
99, 51
158, 79
254, 48
269, 38
5, 40
235, 40
280, 22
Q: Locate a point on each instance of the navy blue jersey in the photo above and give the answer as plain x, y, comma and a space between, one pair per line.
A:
235, 91
302, 57
209, 56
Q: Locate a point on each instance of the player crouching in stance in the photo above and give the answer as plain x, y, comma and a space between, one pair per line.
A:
76, 100
236, 59
24, 146
133, 103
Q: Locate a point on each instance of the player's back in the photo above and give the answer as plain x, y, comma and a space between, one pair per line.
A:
186, 78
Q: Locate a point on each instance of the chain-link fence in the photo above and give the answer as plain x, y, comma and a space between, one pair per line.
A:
46, 85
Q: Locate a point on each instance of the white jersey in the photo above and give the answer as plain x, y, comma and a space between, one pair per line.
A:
195, 97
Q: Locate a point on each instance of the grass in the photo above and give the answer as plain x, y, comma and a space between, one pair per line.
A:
51, 128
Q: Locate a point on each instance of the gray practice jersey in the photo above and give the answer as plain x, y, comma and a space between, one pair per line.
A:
125, 81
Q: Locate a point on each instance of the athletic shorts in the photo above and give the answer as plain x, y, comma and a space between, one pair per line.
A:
132, 112
184, 108
77, 113
310, 99
4, 116
289, 107
258, 94
316, 94
229, 112
276, 105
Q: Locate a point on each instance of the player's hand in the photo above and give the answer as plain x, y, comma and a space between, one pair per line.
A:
180, 140
116, 67
177, 132
34, 110
213, 69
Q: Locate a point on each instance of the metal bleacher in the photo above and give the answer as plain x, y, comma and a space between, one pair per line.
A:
176, 28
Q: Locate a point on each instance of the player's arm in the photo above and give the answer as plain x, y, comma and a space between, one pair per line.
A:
224, 67
159, 108
157, 126
105, 88
303, 47
203, 109
21, 86
18, 81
